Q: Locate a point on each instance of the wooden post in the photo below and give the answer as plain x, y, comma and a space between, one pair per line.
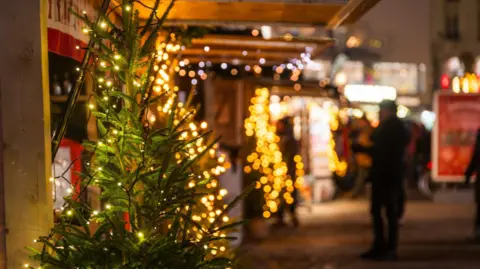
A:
239, 115
25, 127
209, 88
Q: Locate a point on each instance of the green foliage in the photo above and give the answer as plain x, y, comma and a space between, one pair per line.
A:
149, 201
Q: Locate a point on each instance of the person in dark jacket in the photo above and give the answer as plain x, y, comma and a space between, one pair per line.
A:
289, 148
474, 167
390, 140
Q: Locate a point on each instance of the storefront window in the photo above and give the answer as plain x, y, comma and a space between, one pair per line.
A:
401, 76
452, 19
353, 71
317, 70
454, 67
477, 65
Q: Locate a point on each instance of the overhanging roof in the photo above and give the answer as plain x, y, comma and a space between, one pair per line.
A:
331, 13
328, 13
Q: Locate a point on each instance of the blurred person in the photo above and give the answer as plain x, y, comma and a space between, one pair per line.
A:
412, 156
387, 173
289, 148
363, 160
474, 168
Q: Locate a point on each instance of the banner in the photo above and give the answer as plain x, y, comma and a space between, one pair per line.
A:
458, 119
65, 29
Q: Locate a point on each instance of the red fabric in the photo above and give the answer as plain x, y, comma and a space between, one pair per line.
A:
65, 45
412, 146
126, 217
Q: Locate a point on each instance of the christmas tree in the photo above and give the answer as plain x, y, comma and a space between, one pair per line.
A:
151, 175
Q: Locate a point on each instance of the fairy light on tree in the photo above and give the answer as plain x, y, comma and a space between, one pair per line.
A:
151, 178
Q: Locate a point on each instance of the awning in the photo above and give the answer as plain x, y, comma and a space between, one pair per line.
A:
241, 49
330, 13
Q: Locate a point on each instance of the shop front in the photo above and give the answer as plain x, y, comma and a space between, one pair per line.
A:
312, 120
65, 42
457, 119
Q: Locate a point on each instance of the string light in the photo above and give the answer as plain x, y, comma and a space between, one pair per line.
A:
334, 164
266, 159
205, 213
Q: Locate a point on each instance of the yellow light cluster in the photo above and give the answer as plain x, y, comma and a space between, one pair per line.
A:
300, 171
334, 164
267, 157
212, 205
466, 84
163, 68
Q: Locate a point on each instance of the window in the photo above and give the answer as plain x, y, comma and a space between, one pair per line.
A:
454, 67
452, 19
401, 76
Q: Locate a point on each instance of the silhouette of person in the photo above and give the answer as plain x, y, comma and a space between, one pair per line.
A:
474, 167
390, 141
289, 148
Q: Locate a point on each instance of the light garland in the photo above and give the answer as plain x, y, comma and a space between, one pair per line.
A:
211, 205
299, 172
267, 157
334, 164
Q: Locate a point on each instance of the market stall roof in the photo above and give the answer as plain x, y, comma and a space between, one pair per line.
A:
290, 88
250, 49
241, 49
330, 13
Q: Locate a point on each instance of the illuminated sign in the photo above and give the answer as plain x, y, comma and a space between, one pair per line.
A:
369, 93
466, 84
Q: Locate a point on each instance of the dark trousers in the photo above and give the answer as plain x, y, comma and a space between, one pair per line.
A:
401, 205
390, 204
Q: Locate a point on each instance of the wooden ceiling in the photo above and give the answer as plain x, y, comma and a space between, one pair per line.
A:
195, 12
230, 49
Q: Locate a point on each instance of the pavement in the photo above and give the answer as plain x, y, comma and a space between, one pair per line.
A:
332, 236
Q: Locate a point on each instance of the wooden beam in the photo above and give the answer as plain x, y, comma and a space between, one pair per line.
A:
249, 48
231, 48
268, 55
232, 61
259, 42
194, 12
25, 127
351, 12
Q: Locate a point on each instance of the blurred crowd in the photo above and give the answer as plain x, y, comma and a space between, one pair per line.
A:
359, 131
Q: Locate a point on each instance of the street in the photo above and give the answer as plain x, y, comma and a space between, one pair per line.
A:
333, 235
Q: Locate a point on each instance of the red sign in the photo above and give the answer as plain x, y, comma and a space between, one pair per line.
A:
458, 119
65, 30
